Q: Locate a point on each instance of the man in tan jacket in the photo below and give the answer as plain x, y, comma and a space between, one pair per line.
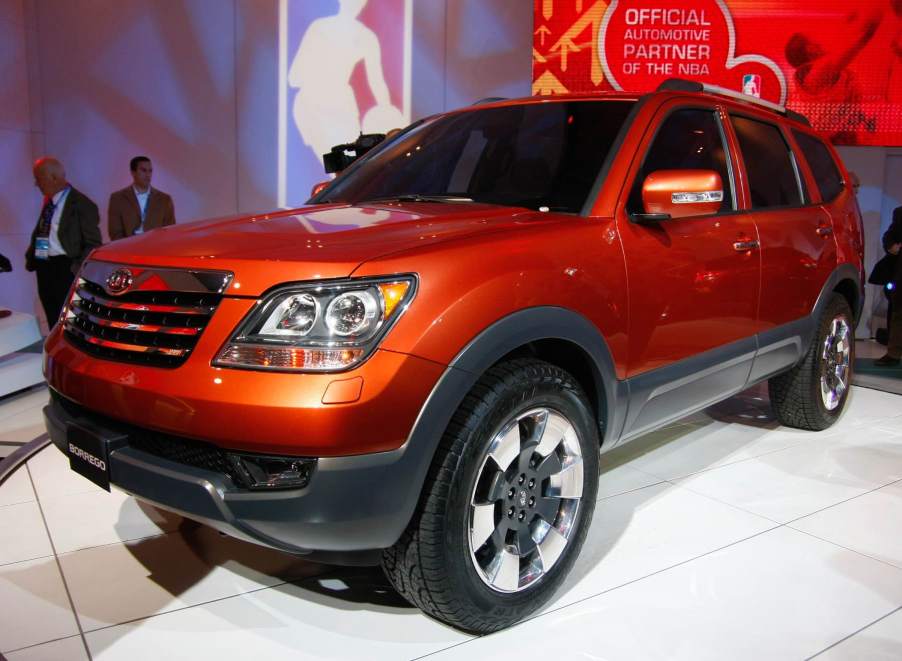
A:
139, 208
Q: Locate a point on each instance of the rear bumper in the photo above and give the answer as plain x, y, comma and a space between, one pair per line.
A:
351, 505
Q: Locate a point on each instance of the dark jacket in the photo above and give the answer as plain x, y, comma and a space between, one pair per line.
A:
124, 214
894, 235
79, 230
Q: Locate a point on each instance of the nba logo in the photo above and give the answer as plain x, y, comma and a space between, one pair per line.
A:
344, 69
751, 84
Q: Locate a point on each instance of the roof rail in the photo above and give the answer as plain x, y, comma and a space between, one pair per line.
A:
489, 99
682, 85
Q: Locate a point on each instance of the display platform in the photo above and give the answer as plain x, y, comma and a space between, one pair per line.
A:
722, 536
18, 369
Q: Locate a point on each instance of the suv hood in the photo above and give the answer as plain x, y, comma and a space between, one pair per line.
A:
311, 242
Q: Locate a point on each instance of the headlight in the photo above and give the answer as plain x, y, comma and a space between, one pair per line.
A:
318, 327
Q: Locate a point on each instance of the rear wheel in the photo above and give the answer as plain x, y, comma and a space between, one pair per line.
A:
507, 502
813, 394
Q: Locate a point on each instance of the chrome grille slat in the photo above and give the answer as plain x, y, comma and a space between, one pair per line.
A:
138, 327
144, 307
150, 323
119, 346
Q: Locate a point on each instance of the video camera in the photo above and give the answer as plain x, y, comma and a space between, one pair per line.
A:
341, 156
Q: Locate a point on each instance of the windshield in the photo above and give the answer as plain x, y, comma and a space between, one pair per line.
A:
534, 155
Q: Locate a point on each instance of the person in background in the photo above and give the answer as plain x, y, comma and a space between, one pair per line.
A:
139, 208
892, 243
68, 228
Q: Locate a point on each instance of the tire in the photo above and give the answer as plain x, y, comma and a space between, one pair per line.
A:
812, 394
534, 417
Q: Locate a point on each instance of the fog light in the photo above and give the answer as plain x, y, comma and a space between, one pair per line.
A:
269, 472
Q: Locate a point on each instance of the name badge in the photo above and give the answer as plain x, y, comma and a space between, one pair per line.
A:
42, 247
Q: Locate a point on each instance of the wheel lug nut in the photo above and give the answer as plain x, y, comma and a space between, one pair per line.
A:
532, 501
510, 513
532, 483
522, 516
522, 479
510, 494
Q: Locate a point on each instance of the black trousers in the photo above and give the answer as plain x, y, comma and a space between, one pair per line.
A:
54, 279
894, 345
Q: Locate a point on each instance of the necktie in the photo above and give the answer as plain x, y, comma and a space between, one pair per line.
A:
46, 217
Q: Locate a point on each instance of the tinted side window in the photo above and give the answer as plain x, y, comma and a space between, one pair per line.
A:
687, 140
822, 165
768, 161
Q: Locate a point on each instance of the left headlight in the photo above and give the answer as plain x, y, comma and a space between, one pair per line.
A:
319, 326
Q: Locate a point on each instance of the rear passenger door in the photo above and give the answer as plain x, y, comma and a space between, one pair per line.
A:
798, 250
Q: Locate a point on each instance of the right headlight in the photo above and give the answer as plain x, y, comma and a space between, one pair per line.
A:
318, 326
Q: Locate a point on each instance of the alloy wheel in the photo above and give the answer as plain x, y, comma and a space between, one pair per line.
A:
525, 500
836, 356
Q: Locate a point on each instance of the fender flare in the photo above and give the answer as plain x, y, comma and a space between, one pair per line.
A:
840, 273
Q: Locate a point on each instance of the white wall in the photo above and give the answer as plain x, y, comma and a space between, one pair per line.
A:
880, 172
20, 138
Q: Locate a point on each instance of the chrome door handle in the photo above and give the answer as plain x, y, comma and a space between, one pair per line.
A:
743, 246
824, 230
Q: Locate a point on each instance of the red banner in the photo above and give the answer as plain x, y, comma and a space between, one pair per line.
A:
838, 63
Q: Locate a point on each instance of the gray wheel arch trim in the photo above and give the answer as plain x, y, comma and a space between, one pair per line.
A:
840, 273
543, 323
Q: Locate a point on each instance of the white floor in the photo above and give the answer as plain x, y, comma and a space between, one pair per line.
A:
725, 536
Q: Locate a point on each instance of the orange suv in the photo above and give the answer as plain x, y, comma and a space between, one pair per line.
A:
423, 366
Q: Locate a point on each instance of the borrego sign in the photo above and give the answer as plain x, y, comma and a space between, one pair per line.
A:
87, 456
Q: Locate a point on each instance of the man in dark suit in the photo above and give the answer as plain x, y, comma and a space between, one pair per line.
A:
892, 244
67, 230
139, 208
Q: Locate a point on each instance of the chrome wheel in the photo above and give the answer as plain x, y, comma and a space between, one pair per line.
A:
836, 357
525, 500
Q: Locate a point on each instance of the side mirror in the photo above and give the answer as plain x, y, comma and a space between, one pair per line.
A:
317, 188
682, 193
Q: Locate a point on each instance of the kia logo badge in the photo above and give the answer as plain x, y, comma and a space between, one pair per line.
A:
119, 281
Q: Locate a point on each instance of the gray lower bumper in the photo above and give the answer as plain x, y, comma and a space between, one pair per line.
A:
352, 504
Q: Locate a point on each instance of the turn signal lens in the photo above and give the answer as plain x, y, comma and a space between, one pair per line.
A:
293, 358
392, 294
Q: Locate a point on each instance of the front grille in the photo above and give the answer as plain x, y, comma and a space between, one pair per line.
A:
152, 323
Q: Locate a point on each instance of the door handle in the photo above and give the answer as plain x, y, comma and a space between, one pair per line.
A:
824, 230
743, 246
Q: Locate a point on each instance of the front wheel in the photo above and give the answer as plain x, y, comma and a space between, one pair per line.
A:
507, 502
812, 394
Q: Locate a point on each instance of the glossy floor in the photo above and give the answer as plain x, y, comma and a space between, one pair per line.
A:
725, 536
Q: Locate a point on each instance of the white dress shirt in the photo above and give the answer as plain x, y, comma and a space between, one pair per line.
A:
59, 201
142, 204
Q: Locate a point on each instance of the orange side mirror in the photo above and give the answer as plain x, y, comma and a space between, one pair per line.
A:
317, 188
682, 193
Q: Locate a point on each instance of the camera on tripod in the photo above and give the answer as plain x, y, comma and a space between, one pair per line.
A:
341, 156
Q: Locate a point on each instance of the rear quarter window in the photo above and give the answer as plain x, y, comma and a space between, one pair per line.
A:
773, 179
823, 167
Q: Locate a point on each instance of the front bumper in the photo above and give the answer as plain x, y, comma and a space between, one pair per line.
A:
352, 505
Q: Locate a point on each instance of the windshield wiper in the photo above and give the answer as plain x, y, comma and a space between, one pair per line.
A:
414, 197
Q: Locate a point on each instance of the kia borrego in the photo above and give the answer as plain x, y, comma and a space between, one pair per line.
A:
424, 366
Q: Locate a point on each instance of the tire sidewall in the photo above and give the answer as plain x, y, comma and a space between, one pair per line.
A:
502, 408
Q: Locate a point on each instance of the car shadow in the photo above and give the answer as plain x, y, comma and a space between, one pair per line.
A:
179, 561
